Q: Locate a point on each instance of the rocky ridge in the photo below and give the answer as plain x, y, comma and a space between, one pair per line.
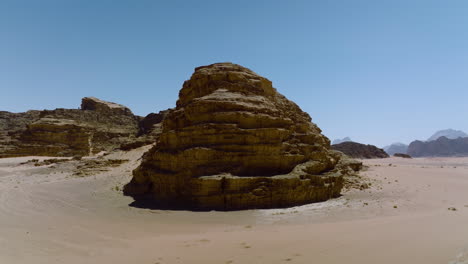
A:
448, 133
360, 151
233, 142
97, 126
442, 147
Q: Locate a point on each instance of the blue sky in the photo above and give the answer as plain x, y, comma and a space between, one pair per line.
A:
377, 71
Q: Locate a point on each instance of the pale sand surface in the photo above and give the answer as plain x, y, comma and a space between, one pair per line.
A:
49, 216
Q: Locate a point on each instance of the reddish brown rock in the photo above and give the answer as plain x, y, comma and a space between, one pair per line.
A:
233, 142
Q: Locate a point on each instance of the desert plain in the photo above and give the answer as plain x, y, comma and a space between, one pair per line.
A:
407, 211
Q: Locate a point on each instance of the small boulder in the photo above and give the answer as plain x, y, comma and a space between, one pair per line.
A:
402, 155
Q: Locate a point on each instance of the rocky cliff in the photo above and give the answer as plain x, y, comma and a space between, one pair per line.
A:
442, 147
233, 142
97, 126
360, 151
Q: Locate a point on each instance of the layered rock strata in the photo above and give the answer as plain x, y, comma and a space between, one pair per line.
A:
233, 142
97, 126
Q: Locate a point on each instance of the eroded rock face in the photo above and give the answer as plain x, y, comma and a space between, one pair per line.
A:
98, 126
12, 125
233, 142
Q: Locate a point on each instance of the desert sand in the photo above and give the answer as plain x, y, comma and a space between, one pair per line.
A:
49, 215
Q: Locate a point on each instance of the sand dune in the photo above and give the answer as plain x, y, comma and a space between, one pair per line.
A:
48, 215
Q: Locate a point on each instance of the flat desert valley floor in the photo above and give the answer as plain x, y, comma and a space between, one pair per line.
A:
415, 211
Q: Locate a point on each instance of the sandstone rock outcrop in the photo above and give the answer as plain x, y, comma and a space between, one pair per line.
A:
233, 142
11, 127
149, 128
360, 151
151, 124
104, 107
97, 126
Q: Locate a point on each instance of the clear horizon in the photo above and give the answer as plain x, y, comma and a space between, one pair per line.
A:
378, 73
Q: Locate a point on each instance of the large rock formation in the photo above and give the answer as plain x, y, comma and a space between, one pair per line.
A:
442, 147
360, 151
233, 142
97, 126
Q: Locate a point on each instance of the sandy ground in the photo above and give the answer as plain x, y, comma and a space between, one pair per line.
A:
47, 215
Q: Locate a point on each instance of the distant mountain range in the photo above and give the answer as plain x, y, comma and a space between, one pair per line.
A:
448, 133
443, 143
442, 147
338, 141
396, 148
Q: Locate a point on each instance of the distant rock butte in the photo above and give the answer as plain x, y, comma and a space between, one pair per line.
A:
360, 151
338, 141
104, 107
233, 142
396, 148
97, 126
442, 147
448, 133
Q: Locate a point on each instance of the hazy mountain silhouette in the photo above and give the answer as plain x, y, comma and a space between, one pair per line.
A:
448, 133
338, 141
396, 148
442, 147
